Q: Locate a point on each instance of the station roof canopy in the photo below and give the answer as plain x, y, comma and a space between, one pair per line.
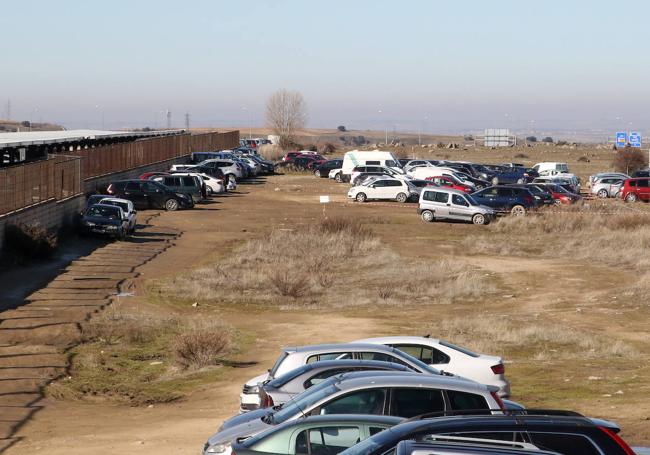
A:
23, 139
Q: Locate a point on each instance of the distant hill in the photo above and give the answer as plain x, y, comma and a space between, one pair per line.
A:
10, 126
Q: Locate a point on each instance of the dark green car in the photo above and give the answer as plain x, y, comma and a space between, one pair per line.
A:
316, 435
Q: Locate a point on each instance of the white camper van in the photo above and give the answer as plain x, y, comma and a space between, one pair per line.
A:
370, 158
551, 168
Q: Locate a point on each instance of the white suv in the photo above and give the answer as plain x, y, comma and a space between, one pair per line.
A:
381, 188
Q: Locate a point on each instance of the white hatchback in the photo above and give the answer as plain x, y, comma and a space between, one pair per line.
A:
484, 369
386, 188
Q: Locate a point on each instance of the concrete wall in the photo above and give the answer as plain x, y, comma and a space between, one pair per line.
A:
52, 215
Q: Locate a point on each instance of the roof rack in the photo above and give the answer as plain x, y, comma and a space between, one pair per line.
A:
487, 412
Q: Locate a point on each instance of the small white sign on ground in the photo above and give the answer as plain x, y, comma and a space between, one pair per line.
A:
324, 199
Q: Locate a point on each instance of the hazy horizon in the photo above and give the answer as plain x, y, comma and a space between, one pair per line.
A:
429, 65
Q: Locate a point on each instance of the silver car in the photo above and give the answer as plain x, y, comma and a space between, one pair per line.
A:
378, 393
440, 203
295, 357
605, 187
284, 388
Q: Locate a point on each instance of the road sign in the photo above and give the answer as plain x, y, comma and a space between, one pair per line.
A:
635, 139
621, 139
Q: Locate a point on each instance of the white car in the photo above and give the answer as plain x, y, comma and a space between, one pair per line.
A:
227, 166
485, 369
213, 185
127, 209
386, 188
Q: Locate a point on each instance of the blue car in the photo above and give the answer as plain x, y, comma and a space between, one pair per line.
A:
516, 200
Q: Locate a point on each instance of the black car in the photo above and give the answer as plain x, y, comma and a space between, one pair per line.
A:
567, 433
146, 194
517, 200
105, 219
540, 193
324, 169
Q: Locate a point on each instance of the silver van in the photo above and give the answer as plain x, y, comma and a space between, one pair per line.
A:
440, 203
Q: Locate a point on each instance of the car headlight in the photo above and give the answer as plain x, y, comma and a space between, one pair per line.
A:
89, 223
224, 448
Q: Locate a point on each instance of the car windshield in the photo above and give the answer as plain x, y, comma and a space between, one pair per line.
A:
283, 379
471, 200
112, 213
277, 363
123, 205
302, 402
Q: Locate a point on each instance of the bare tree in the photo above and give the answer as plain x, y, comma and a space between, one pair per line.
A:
629, 160
286, 112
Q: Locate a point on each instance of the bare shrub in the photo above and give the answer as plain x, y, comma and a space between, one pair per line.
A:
286, 112
202, 344
271, 152
29, 241
385, 292
629, 160
347, 226
327, 148
289, 283
521, 155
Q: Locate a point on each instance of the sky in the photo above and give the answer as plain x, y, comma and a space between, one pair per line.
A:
438, 66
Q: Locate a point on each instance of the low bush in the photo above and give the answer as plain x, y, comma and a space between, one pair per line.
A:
521, 155
29, 241
271, 152
202, 344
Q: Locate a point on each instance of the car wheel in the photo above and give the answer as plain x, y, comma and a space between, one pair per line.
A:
361, 197
171, 205
631, 197
121, 235
317, 173
402, 197
557, 202
479, 218
338, 178
428, 216
520, 181
518, 210
602, 194
495, 181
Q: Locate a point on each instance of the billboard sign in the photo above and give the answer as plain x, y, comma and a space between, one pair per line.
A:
635, 139
621, 139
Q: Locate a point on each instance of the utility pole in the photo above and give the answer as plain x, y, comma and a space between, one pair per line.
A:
187, 121
169, 119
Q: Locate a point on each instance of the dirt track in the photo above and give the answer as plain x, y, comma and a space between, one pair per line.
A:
64, 427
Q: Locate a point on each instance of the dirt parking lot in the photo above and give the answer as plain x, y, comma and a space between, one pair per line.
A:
579, 327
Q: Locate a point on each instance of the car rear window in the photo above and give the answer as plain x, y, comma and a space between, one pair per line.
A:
465, 400
459, 349
278, 362
412, 402
575, 444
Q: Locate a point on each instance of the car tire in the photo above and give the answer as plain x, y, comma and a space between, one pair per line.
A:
361, 197
518, 210
602, 194
171, 205
402, 198
495, 181
631, 197
317, 173
339, 178
121, 236
428, 216
479, 219
520, 181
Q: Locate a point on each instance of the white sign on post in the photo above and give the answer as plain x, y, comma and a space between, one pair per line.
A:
324, 199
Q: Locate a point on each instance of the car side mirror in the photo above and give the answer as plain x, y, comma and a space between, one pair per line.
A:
135, 211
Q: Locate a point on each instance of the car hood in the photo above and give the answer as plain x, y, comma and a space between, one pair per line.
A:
100, 220
489, 210
245, 418
243, 430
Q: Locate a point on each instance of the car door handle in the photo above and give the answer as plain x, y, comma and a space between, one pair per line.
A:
448, 205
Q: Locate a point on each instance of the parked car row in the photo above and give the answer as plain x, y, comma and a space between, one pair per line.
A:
402, 395
181, 187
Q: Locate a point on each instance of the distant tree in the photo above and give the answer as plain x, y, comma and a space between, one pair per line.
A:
359, 140
531, 139
468, 137
286, 112
327, 148
311, 148
25, 123
548, 139
341, 128
629, 160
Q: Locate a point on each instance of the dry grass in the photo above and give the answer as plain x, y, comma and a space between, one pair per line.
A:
596, 232
334, 263
528, 338
271, 152
114, 326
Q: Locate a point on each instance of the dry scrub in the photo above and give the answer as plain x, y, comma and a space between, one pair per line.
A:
595, 232
335, 263
528, 338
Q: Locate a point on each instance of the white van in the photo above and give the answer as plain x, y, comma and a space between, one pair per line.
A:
371, 158
551, 168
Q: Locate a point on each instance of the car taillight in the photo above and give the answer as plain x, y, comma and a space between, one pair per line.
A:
498, 369
109, 190
617, 439
497, 398
268, 401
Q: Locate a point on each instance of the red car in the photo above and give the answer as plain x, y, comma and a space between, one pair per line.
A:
637, 189
290, 156
446, 182
560, 194
149, 175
